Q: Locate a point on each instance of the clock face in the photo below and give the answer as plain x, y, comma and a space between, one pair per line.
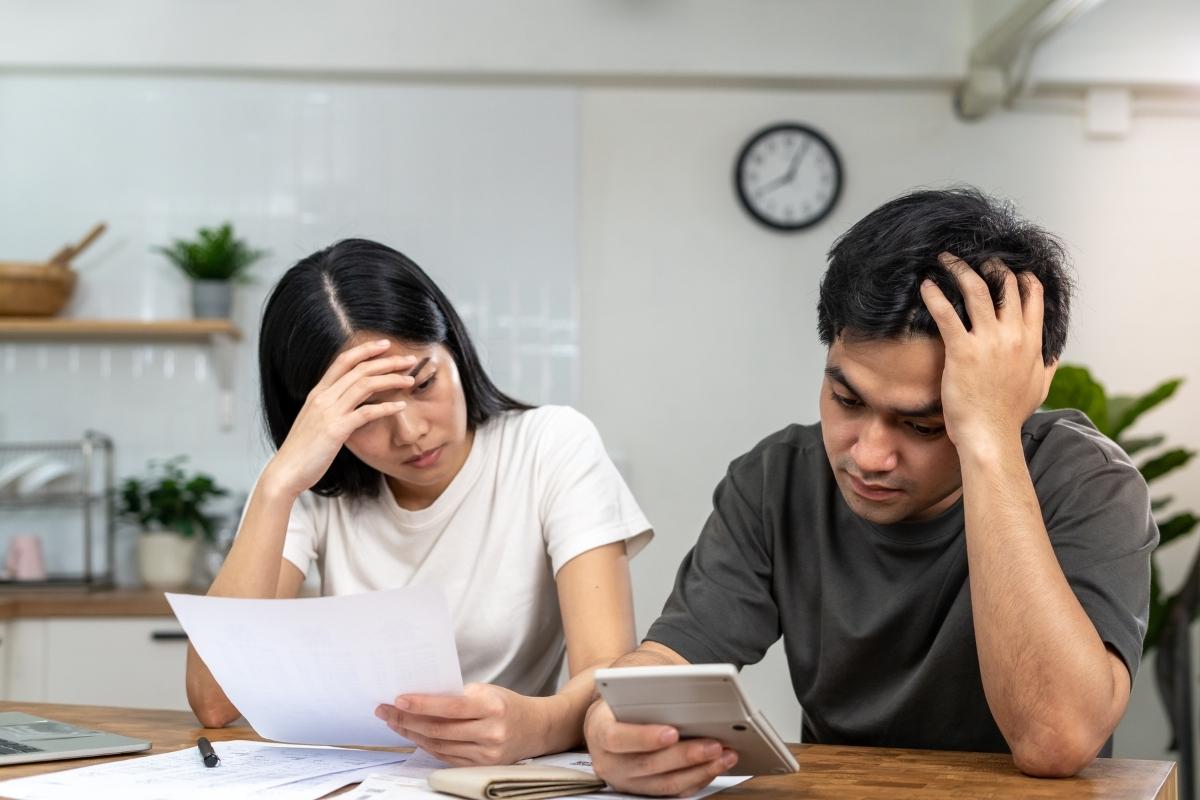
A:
788, 177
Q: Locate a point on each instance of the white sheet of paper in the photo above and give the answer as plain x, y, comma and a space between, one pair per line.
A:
312, 670
247, 769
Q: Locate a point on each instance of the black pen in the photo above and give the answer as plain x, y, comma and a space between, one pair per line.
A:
211, 759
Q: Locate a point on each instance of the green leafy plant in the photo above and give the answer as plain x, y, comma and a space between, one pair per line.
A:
167, 497
1170, 616
215, 255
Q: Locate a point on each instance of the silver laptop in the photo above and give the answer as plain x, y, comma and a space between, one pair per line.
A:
25, 738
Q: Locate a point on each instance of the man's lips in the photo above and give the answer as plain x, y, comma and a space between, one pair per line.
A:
872, 491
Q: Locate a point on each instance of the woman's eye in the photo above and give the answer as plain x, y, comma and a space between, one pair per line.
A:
425, 385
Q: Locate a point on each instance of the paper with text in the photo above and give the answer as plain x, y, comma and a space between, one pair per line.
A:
247, 769
312, 670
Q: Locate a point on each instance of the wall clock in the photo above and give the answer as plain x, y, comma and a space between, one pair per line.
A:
788, 176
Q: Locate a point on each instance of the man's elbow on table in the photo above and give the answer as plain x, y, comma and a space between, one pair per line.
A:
1058, 753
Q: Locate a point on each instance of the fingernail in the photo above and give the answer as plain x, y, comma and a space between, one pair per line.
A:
401, 703
381, 342
668, 736
712, 750
927, 284
729, 760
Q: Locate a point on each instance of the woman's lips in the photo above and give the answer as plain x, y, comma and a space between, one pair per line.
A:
869, 491
426, 460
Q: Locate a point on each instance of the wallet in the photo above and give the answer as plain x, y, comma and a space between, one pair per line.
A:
515, 781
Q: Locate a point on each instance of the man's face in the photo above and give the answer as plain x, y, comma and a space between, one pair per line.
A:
881, 419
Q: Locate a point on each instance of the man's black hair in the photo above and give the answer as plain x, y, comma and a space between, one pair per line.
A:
872, 288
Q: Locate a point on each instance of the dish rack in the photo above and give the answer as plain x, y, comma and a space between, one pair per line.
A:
75, 476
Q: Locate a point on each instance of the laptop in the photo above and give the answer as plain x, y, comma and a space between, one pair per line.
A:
25, 738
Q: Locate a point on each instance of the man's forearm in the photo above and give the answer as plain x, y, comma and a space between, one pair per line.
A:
1046, 673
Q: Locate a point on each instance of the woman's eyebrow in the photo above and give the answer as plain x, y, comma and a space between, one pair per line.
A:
420, 366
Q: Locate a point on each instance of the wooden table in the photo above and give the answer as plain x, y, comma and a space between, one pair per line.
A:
826, 772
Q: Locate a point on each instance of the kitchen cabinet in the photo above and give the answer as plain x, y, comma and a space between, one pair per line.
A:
137, 662
120, 647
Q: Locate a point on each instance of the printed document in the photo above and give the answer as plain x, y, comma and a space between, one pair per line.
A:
312, 670
247, 769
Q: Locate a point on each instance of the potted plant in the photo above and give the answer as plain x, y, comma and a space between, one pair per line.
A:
1171, 615
214, 261
170, 507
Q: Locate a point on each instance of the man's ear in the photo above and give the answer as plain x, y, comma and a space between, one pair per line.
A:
1051, 368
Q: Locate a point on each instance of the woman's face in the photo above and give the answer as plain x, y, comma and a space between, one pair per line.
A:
421, 448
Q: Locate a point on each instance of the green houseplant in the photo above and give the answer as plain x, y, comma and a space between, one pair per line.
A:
170, 507
1169, 629
214, 261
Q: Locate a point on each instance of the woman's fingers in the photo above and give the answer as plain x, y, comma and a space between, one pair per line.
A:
364, 388
347, 360
396, 365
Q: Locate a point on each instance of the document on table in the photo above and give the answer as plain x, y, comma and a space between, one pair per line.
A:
407, 781
247, 769
312, 670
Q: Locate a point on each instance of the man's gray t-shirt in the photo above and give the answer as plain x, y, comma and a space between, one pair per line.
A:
876, 619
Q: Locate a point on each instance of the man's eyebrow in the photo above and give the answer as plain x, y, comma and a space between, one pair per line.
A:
420, 366
931, 409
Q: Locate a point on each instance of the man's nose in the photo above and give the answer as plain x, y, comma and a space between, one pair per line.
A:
874, 452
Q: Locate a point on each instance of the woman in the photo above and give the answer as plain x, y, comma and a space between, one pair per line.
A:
398, 461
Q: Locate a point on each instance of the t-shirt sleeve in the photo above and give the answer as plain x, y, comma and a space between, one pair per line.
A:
722, 608
305, 530
1103, 534
585, 502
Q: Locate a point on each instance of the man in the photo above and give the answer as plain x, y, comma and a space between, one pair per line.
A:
948, 569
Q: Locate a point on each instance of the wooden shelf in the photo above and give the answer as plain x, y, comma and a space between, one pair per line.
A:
58, 328
220, 335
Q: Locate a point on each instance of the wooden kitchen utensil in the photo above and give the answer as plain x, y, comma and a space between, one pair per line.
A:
41, 288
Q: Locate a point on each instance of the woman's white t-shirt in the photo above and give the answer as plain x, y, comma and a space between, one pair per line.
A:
536, 490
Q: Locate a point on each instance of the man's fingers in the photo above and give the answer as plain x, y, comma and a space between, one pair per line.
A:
626, 737
1012, 301
680, 756
943, 313
683, 782
1033, 304
976, 295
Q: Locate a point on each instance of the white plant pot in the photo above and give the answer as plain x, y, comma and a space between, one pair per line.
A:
165, 559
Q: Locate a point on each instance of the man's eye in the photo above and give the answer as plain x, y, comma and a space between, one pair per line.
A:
845, 402
925, 430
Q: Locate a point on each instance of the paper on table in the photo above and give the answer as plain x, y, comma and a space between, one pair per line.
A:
394, 781
247, 769
312, 670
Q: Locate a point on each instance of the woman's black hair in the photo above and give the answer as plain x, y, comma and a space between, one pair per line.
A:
358, 286
872, 289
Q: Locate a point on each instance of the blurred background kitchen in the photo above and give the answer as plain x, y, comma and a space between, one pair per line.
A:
565, 169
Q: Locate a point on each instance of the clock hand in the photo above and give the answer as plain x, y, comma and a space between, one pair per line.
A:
772, 184
794, 167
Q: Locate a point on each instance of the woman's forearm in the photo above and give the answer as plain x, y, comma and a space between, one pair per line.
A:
252, 569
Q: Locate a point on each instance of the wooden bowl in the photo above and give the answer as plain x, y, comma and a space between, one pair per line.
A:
33, 288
